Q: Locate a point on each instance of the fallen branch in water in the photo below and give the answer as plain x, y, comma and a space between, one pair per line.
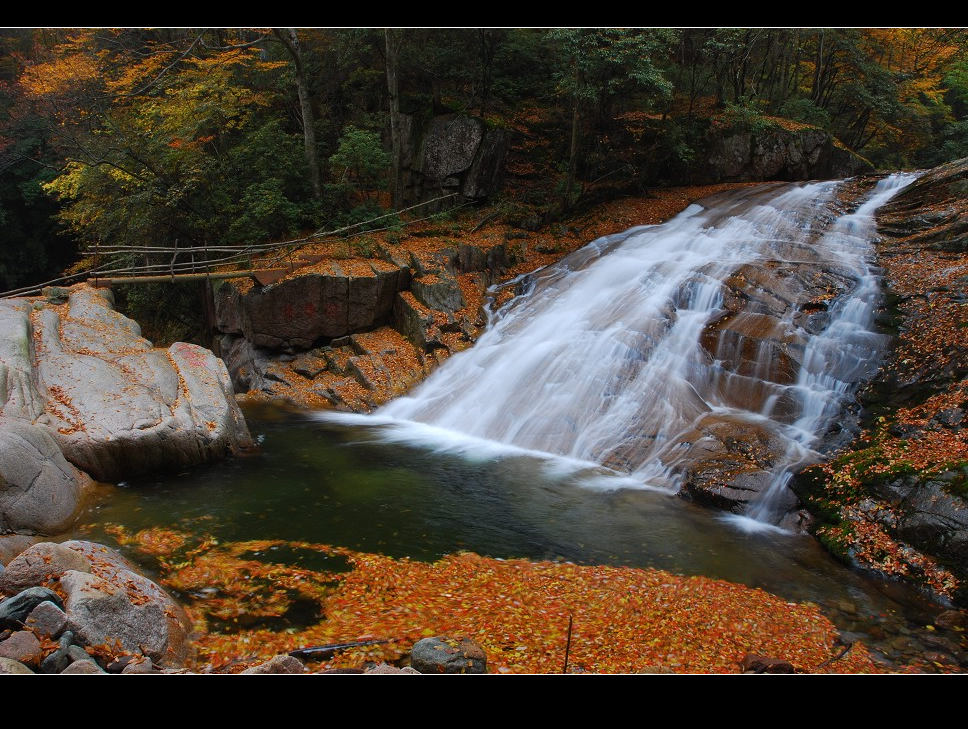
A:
322, 652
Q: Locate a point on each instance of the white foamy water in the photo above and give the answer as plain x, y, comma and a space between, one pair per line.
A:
610, 357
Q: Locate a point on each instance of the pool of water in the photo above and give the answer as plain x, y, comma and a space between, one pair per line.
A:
344, 484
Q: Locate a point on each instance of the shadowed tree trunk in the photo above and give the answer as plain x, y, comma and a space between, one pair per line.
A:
290, 40
393, 89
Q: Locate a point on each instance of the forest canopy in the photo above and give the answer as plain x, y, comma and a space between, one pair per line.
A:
206, 136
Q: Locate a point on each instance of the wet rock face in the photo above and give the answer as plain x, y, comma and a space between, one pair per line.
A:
727, 462
78, 382
909, 480
930, 213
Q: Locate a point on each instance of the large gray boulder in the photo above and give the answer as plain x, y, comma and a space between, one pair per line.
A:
75, 369
39, 490
114, 604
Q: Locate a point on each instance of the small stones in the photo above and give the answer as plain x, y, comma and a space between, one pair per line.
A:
14, 611
61, 658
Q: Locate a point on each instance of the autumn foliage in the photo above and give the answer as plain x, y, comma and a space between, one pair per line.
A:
625, 620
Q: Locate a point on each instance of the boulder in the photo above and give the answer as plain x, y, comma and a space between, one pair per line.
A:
60, 658
46, 620
449, 146
952, 620
22, 647
114, 603
321, 303
438, 291
82, 667
40, 491
131, 613
387, 669
486, 173
115, 406
760, 664
138, 665
448, 655
9, 666
39, 564
456, 154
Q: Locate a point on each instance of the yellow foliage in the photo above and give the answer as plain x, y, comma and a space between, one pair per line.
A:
61, 74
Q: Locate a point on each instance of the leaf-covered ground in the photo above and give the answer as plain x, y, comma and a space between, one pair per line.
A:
242, 601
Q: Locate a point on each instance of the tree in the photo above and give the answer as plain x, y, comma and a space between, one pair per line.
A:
290, 40
597, 66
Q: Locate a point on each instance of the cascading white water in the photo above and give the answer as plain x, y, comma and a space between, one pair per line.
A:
613, 356
842, 354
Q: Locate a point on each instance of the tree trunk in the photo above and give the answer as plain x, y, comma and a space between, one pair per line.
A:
396, 143
290, 40
572, 155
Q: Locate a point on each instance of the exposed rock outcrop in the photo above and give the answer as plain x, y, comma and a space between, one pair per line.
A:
353, 333
79, 384
778, 153
452, 154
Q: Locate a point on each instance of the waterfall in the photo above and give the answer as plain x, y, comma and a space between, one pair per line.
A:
745, 319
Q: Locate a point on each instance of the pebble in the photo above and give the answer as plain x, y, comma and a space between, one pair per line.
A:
14, 611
